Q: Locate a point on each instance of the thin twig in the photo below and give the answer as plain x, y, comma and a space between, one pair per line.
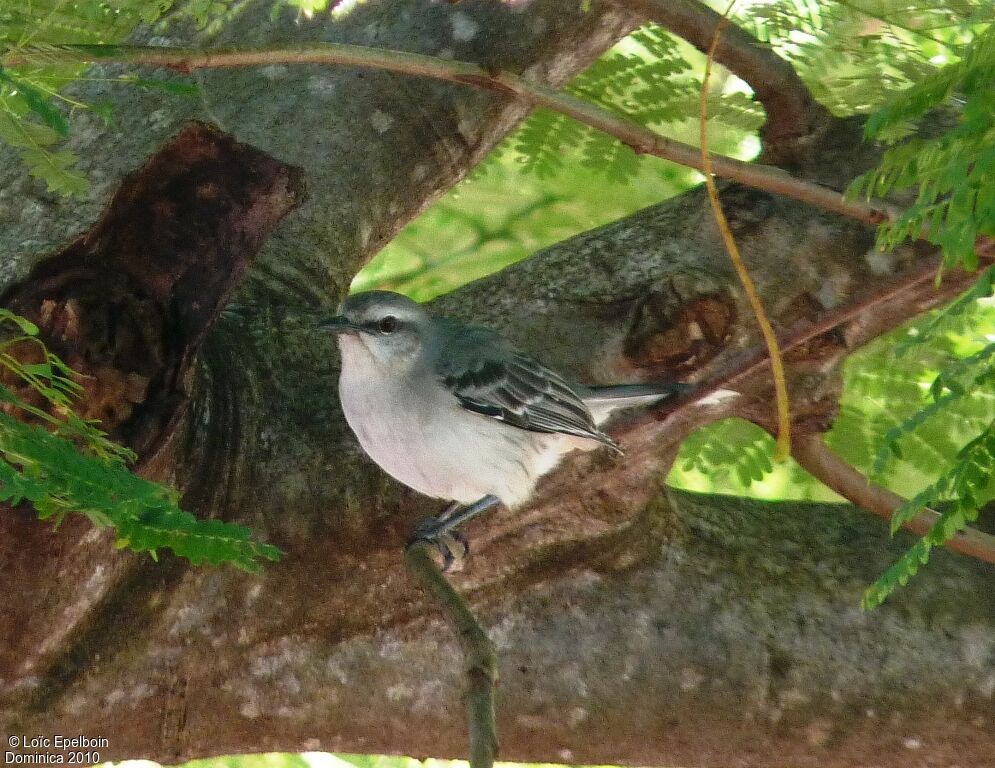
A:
752, 362
629, 132
749, 287
789, 105
478, 653
818, 459
812, 453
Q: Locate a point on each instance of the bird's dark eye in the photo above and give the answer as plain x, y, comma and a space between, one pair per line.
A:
388, 324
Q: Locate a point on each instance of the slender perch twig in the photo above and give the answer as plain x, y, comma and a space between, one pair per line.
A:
478, 652
838, 475
812, 453
754, 361
749, 287
627, 131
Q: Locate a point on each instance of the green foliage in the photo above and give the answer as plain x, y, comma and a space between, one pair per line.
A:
855, 54
37, 102
52, 380
30, 119
649, 78
957, 316
72, 466
974, 373
965, 488
894, 422
493, 220
33, 111
730, 449
82, 21
953, 174
35, 141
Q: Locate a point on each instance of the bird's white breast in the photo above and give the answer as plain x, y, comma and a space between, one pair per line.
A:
419, 434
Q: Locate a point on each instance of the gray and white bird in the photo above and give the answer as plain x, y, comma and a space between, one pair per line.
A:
455, 412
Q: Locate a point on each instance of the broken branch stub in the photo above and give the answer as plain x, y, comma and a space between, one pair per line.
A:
128, 303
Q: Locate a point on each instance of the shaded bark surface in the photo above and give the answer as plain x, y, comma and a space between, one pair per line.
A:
129, 302
633, 624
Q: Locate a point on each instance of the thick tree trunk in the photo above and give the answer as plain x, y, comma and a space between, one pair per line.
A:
633, 624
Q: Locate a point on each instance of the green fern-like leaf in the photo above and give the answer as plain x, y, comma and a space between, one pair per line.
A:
954, 316
537, 142
966, 487
51, 474
891, 444
896, 576
29, 95
972, 73
71, 466
612, 158
647, 78
954, 174
34, 142
732, 447
957, 380
855, 55
38, 102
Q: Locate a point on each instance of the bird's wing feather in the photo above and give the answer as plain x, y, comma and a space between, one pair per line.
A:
488, 376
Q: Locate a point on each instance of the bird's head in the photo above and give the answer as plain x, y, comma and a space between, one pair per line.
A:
387, 327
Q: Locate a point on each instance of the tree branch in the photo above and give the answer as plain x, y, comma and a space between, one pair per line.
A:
153, 275
812, 453
213, 661
478, 651
791, 110
629, 132
619, 640
915, 288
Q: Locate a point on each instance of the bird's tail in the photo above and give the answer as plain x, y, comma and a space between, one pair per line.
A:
603, 400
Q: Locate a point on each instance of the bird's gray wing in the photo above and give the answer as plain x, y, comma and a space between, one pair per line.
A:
488, 376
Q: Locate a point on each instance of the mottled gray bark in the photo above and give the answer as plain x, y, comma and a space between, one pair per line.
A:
633, 624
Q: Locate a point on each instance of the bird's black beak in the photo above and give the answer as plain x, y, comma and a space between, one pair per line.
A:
339, 324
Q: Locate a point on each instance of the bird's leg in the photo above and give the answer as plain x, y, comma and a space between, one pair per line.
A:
442, 529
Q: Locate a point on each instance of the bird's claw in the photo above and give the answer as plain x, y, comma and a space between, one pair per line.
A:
454, 548
452, 545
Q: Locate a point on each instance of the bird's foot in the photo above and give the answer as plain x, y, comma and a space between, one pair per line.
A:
451, 545
442, 531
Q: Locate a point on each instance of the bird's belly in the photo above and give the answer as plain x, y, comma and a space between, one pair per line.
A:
442, 451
